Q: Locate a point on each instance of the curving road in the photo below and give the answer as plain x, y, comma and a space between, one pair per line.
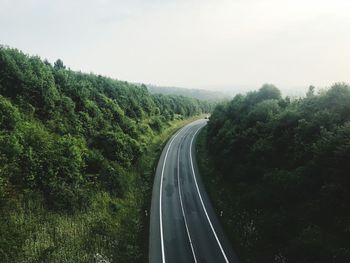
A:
183, 224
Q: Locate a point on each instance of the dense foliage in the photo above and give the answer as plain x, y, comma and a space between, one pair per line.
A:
284, 174
69, 140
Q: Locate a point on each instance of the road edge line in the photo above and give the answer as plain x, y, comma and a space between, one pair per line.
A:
200, 197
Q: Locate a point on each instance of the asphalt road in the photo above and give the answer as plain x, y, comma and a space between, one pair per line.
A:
183, 224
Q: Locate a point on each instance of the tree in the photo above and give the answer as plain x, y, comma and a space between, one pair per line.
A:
59, 64
283, 167
311, 91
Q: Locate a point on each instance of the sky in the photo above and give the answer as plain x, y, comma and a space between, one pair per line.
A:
213, 44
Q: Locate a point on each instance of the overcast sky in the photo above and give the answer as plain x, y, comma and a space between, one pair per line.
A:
188, 43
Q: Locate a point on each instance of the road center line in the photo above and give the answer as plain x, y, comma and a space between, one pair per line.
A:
200, 197
181, 203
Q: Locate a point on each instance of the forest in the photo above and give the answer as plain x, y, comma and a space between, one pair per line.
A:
280, 174
76, 160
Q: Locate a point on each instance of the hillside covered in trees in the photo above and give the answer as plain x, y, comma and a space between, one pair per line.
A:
281, 174
74, 173
200, 94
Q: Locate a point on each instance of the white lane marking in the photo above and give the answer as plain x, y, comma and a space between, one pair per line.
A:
200, 197
181, 203
160, 195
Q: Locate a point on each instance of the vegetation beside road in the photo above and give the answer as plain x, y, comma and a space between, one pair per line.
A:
76, 157
279, 170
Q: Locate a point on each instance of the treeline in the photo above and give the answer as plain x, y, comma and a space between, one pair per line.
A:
284, 169
66, 136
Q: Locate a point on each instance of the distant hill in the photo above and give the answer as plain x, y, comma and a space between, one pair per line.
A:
192, 93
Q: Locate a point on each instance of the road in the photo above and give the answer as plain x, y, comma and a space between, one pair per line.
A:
183, 225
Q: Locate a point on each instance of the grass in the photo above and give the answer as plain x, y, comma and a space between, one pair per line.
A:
110, 230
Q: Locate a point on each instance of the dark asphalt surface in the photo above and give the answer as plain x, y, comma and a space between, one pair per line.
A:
183, 224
